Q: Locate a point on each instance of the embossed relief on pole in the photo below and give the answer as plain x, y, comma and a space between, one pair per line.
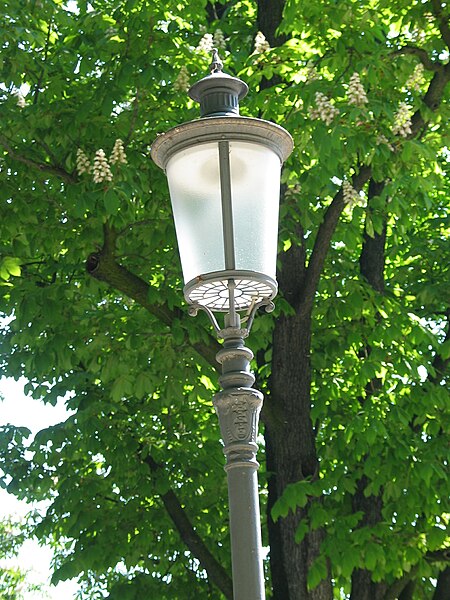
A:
241, 419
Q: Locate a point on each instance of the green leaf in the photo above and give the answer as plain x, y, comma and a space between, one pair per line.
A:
436, 537
371, 556
10, 265
301, 531
111, 201
369, 227
121, 387
294, 496
317, 573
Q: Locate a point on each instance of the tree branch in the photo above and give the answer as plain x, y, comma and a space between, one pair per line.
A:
404, 586
440, 364
104, 267
421, 54
432, 101
270, 15
372, 257
443, 585
216, 573
408, 591
400, 585
432, 98
293, 261
323, 238
40, 166
442, 555
443, 21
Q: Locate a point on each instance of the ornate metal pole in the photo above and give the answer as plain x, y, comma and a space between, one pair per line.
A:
238, 406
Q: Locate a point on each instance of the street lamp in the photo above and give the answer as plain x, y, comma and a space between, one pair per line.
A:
223, 172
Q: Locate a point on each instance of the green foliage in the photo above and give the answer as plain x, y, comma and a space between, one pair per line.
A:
80, 76
14, 581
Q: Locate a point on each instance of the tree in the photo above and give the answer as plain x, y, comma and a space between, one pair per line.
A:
14, 581
354, 360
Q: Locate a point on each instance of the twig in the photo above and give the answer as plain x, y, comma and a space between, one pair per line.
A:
40, 166
46, 47
133, 117
422, 55
190, 537
103, 266
443, 21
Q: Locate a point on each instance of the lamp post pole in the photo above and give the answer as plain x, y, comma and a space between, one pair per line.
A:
238, 406
224, 177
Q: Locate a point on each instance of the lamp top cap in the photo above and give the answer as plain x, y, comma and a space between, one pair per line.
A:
218, 93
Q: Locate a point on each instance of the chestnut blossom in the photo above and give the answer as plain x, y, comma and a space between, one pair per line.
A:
382, 139
101, 170
219, 40
402, 121
118, 153
261, 44
356, 93
21, 102
206, 44
351, 196
83, 162
415, 80
324, 110
181, 83
311, 74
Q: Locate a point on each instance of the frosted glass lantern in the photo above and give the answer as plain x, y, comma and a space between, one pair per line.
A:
223, 172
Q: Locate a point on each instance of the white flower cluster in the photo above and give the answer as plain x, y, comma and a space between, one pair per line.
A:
294, 190
417, 36
382, 139
21, 102
351, 196
219, 40
402, 121
261, 44
324, 110
83, 163
181, 83
118, 153
415, 80
206, 44
356, 93
101, 169
311, 74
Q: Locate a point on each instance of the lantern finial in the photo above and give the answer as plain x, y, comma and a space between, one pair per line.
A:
216, 65
218, 93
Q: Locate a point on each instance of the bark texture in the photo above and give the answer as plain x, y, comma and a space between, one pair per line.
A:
443, 585
372, 264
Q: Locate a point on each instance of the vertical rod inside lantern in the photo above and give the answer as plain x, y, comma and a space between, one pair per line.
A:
232, 319
227, 208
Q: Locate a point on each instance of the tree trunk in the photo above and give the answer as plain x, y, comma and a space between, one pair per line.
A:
408, 591
270, 13
443, 585
291, 456
363, 588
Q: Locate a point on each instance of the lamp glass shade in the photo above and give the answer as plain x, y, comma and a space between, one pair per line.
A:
194, 177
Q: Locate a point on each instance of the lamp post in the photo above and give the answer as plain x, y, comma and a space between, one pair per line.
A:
223, 172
